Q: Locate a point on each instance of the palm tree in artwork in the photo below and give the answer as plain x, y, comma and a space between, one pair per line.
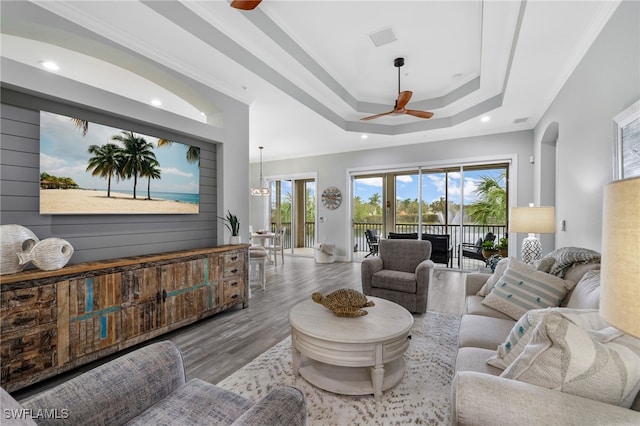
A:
192, 154
137, 152
105, 162
81, 124
150, 170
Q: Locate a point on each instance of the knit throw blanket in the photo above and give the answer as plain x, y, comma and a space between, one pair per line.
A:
566, 256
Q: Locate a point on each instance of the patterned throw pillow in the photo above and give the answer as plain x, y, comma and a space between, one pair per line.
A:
522, 331
602, 365
521, 288
493, 279
517, 339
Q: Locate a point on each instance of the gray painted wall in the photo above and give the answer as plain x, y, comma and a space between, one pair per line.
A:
94, 237
224, 176
606, 81
333, 170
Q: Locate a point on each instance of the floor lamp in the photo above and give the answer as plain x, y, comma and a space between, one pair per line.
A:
620, 265
532, 220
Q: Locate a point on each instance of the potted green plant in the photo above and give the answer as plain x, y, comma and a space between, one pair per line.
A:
503, 247
488, 249
233, 225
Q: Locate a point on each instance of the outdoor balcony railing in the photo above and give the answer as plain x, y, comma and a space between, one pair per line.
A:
469, 235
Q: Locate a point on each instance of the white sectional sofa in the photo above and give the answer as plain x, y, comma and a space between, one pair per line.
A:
480, 396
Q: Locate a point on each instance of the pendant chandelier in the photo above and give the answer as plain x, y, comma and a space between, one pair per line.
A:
262, 190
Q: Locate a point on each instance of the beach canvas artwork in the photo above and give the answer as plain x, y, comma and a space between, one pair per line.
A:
89, 168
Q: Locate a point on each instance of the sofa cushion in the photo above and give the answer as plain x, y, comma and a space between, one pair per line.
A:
284, 405
404, 282
141, 377
602, 364
522, 288
483, 332
473, 359
586, 294
474, 306
196, 403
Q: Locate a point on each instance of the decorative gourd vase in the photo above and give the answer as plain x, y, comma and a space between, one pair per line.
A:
48, 254
13, 240
235, 239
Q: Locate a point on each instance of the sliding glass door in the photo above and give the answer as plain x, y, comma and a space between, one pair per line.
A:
293, 206
464, 202
367, 208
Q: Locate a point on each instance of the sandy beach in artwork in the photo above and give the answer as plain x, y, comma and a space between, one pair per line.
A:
84, 201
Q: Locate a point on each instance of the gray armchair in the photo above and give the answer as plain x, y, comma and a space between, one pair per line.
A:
400, 273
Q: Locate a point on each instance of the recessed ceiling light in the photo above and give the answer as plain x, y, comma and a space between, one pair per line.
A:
50, 65
156, 102
485, 119
364, 136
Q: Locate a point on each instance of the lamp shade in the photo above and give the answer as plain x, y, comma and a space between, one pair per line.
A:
620, 269
533, 220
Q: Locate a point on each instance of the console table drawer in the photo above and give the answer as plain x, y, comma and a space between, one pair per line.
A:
232, 291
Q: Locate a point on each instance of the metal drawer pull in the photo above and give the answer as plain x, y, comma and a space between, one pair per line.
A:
233, 271
234, 258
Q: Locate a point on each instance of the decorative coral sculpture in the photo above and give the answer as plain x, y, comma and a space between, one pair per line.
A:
344, 302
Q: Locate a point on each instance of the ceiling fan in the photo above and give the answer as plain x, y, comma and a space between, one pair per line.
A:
402, 101
245, 4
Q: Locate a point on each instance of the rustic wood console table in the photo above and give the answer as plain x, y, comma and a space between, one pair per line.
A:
53, 321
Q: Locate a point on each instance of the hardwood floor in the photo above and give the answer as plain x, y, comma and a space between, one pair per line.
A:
216, 347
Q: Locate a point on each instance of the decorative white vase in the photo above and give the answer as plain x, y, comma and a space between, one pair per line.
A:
14, 239
235, 239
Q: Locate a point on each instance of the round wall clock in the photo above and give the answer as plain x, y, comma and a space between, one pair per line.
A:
331, 198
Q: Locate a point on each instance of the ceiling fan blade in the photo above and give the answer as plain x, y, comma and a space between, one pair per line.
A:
245, 4
403, 99
371, 117
421, 114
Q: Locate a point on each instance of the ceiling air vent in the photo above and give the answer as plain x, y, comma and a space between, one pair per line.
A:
383, 37
520, 120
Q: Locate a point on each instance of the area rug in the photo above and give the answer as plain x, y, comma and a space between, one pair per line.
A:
422, 397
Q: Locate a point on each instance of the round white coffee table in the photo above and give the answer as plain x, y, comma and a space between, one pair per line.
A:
350, 356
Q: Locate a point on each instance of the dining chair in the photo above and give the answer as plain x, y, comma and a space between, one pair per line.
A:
257, 257
278, 245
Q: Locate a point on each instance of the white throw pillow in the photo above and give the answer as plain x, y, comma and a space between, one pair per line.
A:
586, 294
501, 266
522, 288
517, 339
602, 365
522, 331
